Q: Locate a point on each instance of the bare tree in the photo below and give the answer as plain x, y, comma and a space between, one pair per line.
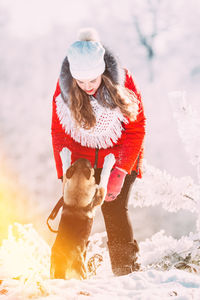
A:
151, 9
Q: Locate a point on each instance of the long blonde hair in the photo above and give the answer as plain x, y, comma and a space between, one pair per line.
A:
119, 96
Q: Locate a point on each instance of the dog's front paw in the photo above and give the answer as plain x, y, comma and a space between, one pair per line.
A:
99, 197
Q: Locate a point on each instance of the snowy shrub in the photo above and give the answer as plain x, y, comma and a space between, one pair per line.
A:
25, 257
157, 187
164, 253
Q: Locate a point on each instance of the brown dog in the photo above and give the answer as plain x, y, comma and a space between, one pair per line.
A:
81, 197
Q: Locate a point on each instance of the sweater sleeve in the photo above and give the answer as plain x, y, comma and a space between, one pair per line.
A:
59, 138
131, 144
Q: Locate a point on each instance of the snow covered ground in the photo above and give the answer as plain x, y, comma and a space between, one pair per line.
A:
149, 285
167, 272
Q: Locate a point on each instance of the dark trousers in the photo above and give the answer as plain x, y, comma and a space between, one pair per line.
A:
121, 243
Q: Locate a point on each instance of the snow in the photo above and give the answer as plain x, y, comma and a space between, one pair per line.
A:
173, 193
188, 126
25, 263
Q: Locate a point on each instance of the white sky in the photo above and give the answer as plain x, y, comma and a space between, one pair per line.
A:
28, 18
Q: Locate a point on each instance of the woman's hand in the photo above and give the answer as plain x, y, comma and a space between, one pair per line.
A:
115, 183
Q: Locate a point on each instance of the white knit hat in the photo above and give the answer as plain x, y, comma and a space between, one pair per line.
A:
86, 56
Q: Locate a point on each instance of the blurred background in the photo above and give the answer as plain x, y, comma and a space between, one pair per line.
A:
157, 40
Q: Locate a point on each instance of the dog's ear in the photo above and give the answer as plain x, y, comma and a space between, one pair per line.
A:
87, 172
70, 172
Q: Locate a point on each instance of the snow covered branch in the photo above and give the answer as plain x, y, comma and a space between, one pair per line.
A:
157, 187
188, 122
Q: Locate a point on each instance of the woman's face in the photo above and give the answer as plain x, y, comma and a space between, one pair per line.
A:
89, 86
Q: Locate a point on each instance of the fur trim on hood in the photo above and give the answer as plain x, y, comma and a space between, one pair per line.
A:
113, 70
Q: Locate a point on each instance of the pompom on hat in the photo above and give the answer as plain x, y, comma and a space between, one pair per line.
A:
86, 56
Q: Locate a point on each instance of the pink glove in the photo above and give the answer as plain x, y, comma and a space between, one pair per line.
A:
115, 183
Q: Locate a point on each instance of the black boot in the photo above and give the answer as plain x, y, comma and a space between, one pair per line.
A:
122, 246
123, 257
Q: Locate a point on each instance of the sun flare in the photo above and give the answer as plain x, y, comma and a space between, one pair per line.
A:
25, 257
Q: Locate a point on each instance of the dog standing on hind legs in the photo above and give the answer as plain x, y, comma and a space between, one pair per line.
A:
81, 196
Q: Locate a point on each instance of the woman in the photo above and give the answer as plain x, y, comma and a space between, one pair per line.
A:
97, 110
